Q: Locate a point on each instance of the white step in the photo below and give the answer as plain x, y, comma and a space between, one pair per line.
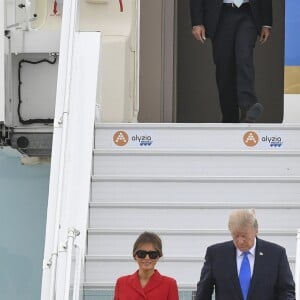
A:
192, 163
187, 243
181, 216
204, 137
105, 270
117, 189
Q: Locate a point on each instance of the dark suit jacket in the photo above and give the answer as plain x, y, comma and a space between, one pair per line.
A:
271, 279
159, 287
207, 12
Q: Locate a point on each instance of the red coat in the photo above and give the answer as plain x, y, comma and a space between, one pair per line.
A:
159, 287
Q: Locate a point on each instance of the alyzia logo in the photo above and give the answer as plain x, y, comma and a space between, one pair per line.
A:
120, 138
274, 141
143, 140
250, 138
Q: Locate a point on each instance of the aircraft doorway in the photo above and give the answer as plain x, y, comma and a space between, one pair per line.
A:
195, 91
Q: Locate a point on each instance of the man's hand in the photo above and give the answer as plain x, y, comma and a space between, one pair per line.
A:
199, 33
264, 34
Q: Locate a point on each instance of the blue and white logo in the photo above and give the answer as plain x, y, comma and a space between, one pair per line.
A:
142, 140
274, 141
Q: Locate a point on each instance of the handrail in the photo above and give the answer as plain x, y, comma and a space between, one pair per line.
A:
28, 17
77, 274
72, 234
28, 14
297, 268
77, 62
2, 61
136, 102
61, 126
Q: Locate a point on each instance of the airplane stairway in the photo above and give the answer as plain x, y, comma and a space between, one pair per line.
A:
181, 181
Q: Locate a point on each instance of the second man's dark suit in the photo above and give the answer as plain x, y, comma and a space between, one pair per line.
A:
233, 32
271, 279
207, 13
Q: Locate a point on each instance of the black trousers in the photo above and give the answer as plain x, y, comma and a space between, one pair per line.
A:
233, 49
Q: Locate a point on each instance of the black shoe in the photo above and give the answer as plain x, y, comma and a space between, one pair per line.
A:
253, 114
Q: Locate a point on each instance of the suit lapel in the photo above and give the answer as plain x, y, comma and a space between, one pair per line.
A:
232, 267
258, 265
155, 280
135, 284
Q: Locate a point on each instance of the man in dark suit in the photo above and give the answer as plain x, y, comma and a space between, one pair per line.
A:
246, 267
233, 30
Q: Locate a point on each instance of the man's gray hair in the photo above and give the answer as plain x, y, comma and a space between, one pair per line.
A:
242, 219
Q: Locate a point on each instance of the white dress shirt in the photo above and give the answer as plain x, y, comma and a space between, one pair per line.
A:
251, 257
230, 1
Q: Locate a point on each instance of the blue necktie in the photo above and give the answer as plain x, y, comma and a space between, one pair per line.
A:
245, 275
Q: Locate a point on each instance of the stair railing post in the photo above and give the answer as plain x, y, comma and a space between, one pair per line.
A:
72, 234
